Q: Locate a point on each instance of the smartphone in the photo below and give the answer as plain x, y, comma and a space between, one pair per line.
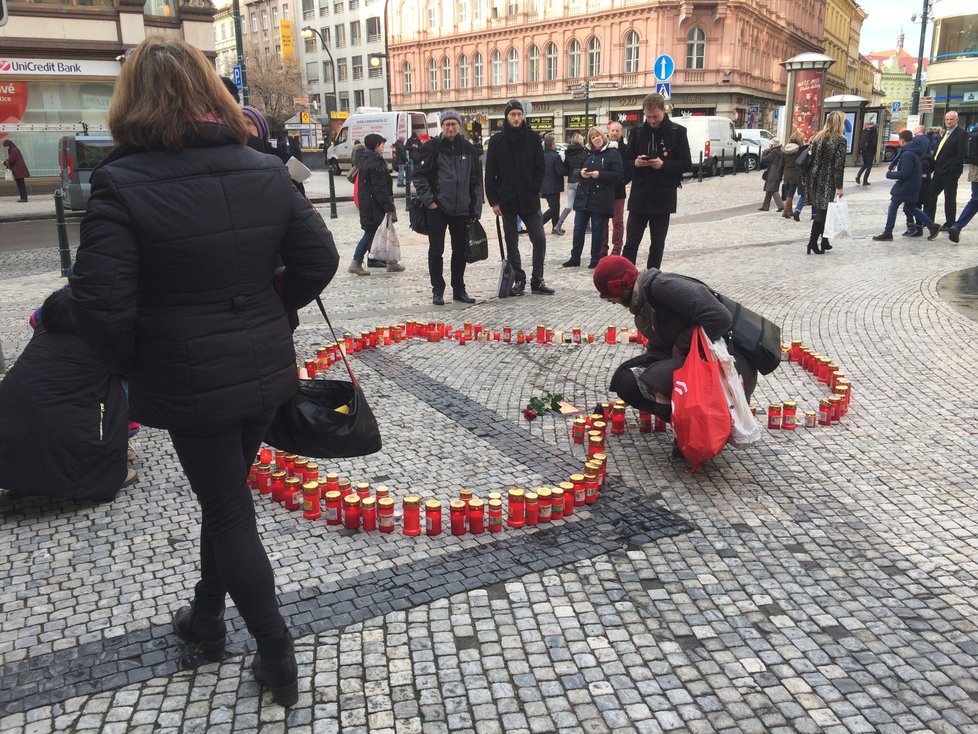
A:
651, 156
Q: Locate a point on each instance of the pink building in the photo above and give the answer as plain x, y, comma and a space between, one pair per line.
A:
476, 54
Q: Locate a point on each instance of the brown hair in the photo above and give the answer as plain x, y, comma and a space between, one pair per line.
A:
165, 91
797, 138
654, 101
834, 127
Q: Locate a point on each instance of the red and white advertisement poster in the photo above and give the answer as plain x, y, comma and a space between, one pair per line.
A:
807, 102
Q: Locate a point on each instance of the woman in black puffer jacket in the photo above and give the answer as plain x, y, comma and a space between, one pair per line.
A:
175, 286
573, 161
595, 198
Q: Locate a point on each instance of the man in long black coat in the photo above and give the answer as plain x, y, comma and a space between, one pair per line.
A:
948, 165
867, 149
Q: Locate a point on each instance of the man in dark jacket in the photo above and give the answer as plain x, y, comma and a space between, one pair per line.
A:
400, 160
553, 180
376, 195
514, 174
971, 208
656, 157
617, 221
448, 178
867, 149
948, 165
413, 147
905, 191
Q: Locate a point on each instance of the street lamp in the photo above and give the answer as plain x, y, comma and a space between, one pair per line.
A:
915, 99
376, 60
308, 32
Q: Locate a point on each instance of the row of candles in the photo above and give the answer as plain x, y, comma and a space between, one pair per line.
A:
436, 331
831, 409
294, 481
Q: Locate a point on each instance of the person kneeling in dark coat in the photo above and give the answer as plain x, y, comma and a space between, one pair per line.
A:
63, 416
667, 307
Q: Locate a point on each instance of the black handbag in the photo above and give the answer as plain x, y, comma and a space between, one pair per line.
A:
753, 335
309, 425
477, 247
418, 216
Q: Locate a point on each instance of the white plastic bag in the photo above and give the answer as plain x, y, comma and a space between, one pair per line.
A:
744, 429
385, 244
837, 220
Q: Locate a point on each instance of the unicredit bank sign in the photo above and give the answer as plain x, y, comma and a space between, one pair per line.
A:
57, 67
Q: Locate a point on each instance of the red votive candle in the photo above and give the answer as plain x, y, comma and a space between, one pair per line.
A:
456, 516
432, 517
477, 516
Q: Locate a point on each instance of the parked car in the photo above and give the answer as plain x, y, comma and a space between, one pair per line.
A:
77, 157
712, 136
749, 151
757, 133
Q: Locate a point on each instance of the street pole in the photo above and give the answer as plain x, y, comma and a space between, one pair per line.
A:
387, 57
587, 105
915, 100
239, 47
332, 74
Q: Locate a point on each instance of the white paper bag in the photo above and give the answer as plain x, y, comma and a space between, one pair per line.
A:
385, 244
744, 429
298, 170
837, 221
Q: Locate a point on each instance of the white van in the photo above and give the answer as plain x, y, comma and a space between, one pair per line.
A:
715, 137
390, 125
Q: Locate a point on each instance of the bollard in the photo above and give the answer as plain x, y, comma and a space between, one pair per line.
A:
723, 162
736, 162
699, 169
332, 193
407, 192
62, 225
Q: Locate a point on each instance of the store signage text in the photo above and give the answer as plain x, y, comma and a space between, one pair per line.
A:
56, 67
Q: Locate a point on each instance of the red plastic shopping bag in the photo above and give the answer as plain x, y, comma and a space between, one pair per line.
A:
700, 416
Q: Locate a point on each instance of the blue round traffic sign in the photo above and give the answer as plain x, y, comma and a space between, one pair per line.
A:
664, 67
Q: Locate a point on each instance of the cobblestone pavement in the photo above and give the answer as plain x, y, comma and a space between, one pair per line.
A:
821, 581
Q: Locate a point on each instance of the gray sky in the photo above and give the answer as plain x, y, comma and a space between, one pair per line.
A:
885, 18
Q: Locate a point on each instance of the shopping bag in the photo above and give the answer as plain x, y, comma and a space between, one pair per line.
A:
507, 273
700, 417
309, 424
385, 244
477, 247
837, 220
356, 191
744, 428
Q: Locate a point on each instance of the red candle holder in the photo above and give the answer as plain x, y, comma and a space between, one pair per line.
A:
368, 513
795, 354
299, 468
310, 501
385, 510
774, 416
569, 498
456, 516
618, 420
432, 517
576, 335
351, 512
578, 429
363, 490
580, 495
465, 495
644, 422
545, 506
507, 334
556, 503
532, 509
334, 504
824, 413
381, 492
477, 517
312, 367
590, 484
611, 335
517, 508
253, 474
601, 460
312, 471
660, 425
810, 419
344, 488
495, 516
264, 479
789, 415
265, 455
278, 486
835, 403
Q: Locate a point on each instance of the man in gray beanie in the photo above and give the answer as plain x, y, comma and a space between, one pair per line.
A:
514, 175
448, 178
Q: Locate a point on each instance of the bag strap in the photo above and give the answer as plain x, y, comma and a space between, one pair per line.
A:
499, 236
322, 309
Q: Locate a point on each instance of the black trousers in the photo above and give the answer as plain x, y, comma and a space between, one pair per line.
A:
658, 226
946, 183
216, 460
534, 229
458, 229
867, 165
553, 208
21, 188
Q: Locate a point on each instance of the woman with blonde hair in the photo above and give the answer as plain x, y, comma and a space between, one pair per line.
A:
175, 285
827, 153
594, 202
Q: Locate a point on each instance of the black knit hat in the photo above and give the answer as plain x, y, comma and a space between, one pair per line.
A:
373, 140
513, 104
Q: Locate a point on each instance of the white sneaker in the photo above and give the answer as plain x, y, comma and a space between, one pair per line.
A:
357, 269
394, 266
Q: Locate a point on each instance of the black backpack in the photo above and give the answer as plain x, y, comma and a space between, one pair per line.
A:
804, 160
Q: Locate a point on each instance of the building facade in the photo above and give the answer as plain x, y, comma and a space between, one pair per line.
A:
225, 48
58, 63
475, 55
843, 27
952, 77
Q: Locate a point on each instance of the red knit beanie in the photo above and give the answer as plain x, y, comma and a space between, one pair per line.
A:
614, 275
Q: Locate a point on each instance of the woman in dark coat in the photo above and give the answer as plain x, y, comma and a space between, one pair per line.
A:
17, 167
553, 180
573, 161
594, 201
63, 427
667, 307
827, 152
771, 158
376, 200
174, 285
789, 171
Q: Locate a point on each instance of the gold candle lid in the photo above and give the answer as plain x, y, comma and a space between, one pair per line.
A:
382, 491
568, 486
385, 502
368, 503
344, 482
363, 487
531, 497
599, 425
774, 406
352, 499
312, 465
465, 494
543, 493
495, 504
264, 468
475, 504
310, 487
292, 481
619, 403
278, 475
333, 496
290, 457
432, 504
515, 492
456, 505
789, 404
599, 458
796, 342
577, 478
834, 398
412, 501
333, 477
301, 460
557, 492
580, 421
495, 496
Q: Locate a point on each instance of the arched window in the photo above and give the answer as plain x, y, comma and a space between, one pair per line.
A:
478, 79
432, 75
446, 73
533, 64
593, 57
631, 52
463, 72
573, 59
496, 69
551, 70
695, 49
406, 76
512, 66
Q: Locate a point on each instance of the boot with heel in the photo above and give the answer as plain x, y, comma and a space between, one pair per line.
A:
275, 668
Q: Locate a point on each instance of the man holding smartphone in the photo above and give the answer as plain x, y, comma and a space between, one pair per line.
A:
655, 159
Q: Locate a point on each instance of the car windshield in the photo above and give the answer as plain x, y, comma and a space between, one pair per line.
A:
89, 153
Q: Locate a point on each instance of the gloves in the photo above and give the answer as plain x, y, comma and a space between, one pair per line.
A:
392, 215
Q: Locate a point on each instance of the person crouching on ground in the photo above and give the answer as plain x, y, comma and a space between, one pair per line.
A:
667, 307
905, 191
376, 200
594, 202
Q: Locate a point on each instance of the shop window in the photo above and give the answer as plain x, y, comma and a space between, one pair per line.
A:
165, 8
955, 38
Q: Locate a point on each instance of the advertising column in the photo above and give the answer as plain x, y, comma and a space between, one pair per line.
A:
807, 103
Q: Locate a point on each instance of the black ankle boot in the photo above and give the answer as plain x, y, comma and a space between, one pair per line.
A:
275, 668
813, 248
202, 625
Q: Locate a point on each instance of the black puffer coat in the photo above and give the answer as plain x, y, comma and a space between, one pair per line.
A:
173, 282
514, 170
574, 161
654, 191
553, 173
598, 194
376, 190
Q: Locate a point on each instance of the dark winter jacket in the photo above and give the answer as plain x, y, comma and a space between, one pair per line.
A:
553, 173
63, 426
514, 170
655, 191
950, 162
620, 186
15, 162
173, 281
598, 194
971, 153
787, 170
376, 190
295, 150
771, 157
828, 157
413, 146
449, 172
400, 154
574, 161
906, 173
867, 143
